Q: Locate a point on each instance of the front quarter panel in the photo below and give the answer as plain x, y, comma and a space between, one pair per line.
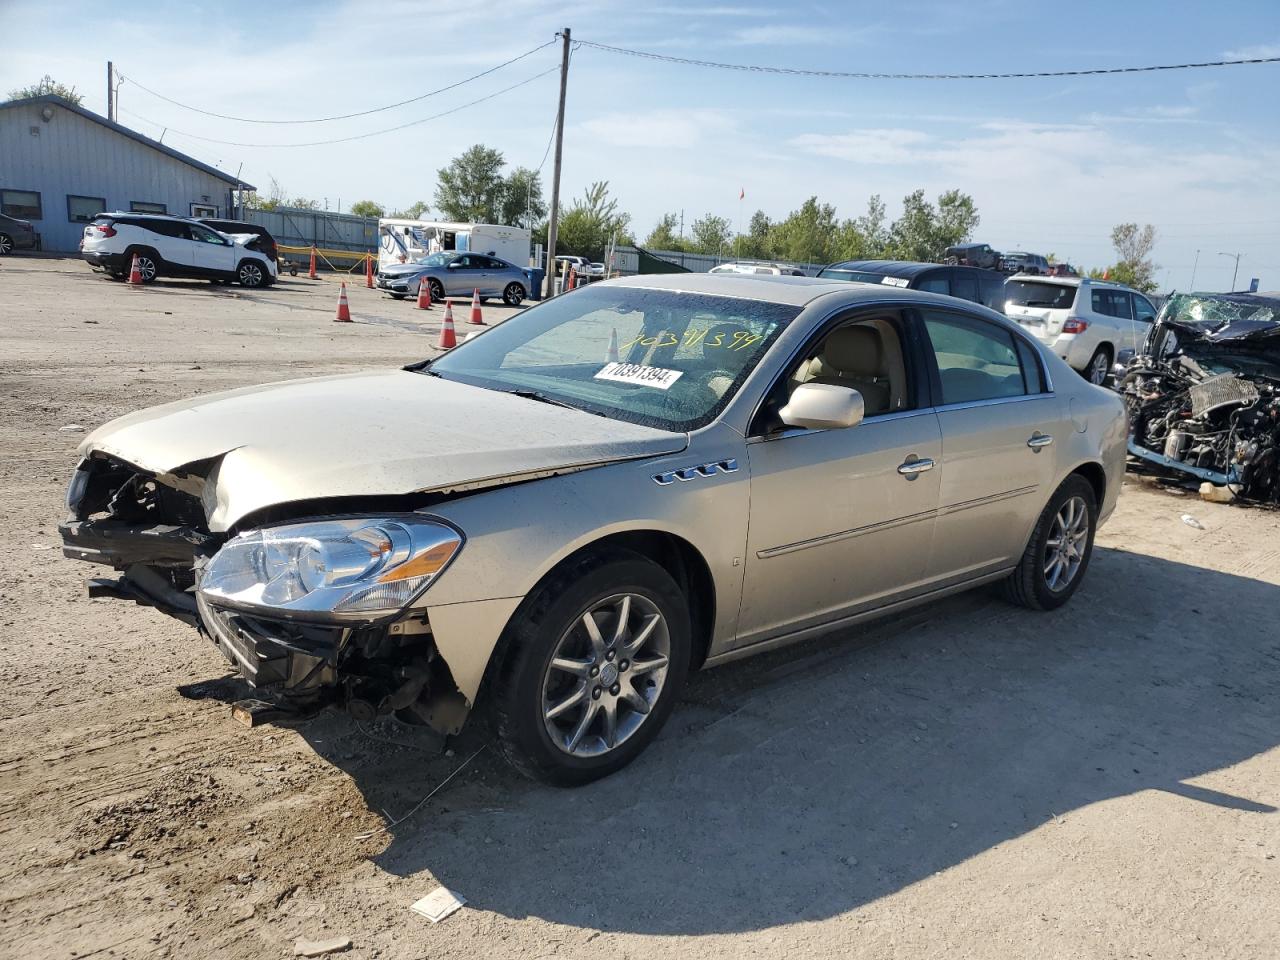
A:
518, 534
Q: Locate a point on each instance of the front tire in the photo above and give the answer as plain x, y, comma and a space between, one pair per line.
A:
513, 294
6, 244
595, 661
437, 290
252, 275
1057, 556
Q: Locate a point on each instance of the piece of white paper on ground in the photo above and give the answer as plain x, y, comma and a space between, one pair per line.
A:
438, 904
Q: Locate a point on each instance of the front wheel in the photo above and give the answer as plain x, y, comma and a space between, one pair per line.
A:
436, 289
1056, 558
513, 294
595, 662
6, 244
251, 274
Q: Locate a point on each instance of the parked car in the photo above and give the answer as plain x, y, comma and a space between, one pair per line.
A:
972, 255
455, 274
1088, 323
1020, 262
16, 234
1204, 392
554, 522
173, 247
967, 283
265, 242
775, 269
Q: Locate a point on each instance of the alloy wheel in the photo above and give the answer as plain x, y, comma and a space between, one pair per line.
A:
1065, 548
6, 244
251, 275
437, 291
147, 268
513, 295
1099, 368
605, 675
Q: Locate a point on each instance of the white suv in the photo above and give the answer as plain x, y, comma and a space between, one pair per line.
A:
175, 247
1088, 323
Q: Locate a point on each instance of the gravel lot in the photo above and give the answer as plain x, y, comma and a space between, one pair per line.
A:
967, 780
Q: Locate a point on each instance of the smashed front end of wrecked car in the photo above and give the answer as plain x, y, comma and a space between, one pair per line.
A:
1204, 394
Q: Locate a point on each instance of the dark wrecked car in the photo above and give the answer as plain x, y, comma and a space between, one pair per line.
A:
1204, 394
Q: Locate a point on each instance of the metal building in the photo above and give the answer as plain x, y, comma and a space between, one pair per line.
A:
61, 165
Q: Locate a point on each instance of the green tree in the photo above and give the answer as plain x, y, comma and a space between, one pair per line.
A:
710, 234
274, 200
367, 208
872, 228
522, 203
754, 244
924, 231
590, 223
471, 188
1134, 267
414, 211
807, 235
665, 235
302, 203
46, 85
850, 243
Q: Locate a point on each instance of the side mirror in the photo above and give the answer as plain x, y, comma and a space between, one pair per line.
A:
453, 265
823, 406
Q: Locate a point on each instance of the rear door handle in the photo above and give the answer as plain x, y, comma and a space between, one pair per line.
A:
913, 466
1039, 440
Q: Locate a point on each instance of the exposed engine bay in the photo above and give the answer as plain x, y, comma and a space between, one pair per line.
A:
1204, 395
153, 530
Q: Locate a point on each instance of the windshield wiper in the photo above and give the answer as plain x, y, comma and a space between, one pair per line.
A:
543, 398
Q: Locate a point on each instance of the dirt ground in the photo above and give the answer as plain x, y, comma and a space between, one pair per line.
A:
967, 780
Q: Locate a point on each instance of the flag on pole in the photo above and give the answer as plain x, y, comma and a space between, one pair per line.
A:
741, 193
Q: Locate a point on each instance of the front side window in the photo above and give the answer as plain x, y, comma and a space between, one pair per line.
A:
23, 204
84, 209
654, 357
976, 360
204, 235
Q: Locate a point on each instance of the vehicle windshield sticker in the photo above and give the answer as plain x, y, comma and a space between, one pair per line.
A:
895, 281
639, 374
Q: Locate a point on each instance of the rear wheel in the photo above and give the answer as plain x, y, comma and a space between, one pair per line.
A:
148, 264
6, 244
596, 659
513, 294
1099, 369
1058, 554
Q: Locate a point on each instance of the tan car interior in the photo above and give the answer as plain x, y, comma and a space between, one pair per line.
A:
866, 355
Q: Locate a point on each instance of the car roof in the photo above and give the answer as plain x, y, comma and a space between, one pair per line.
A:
770, 288
888, 268
1062, 281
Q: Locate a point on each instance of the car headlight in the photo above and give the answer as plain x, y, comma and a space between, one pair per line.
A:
357, 569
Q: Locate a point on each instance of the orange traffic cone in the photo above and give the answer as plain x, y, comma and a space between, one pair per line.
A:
312, 272
1106, 274
612, 356
476, 317
572, 281
424, 295
344, 313
135, 272
368, 271
448, 338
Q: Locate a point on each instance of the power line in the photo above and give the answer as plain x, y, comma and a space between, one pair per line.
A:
796, 72
343, 116
359, 136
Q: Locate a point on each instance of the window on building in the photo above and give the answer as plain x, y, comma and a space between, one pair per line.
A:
24, 204
203, 210
84, 209
143, 206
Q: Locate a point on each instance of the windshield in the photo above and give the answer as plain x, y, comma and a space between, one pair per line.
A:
658, 358
436, 259
1028, 293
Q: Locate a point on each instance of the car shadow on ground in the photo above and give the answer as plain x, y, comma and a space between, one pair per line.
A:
798, 785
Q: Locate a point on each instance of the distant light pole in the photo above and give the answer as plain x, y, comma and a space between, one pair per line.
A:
1235, 272
1193, 271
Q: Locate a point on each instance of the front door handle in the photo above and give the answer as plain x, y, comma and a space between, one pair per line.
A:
913, 466
1039, 440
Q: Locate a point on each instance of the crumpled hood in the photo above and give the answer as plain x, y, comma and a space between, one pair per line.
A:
370, 434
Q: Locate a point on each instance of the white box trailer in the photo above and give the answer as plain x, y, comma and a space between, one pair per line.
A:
400, 241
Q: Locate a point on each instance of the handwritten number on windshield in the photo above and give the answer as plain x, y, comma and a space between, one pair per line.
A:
740, 340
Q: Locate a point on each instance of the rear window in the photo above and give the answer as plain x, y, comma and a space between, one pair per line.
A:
1028, 293
860, 276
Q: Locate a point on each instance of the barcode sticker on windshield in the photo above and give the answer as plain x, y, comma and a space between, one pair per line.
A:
639, 374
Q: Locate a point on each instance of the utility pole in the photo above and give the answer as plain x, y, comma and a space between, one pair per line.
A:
1236, 271
111, 93
553, 223
1194, 267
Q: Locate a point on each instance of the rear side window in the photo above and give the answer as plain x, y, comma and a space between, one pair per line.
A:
935, 284
1032, 372
1030, 293
992, 294
167, 228
964, 286
976, 360
1143, 310
1111, 303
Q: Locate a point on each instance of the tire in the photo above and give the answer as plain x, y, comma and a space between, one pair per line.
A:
513, 294
6, 244
1098, 372
148, 264
571, 746
398, 296
1031, 584
437, 290
252, 274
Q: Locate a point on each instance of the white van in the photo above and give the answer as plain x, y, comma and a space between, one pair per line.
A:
402, 241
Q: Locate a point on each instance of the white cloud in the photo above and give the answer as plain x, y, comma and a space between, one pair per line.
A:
786, 35
666, 129
1257, 52
880, 146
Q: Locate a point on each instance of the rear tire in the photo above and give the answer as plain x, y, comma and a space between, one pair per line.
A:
1098, 372
1061, 534
148, 264
622, 685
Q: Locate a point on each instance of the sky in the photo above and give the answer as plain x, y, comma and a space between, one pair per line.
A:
1052, 163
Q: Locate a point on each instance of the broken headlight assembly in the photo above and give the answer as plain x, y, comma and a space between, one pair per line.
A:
358, 569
